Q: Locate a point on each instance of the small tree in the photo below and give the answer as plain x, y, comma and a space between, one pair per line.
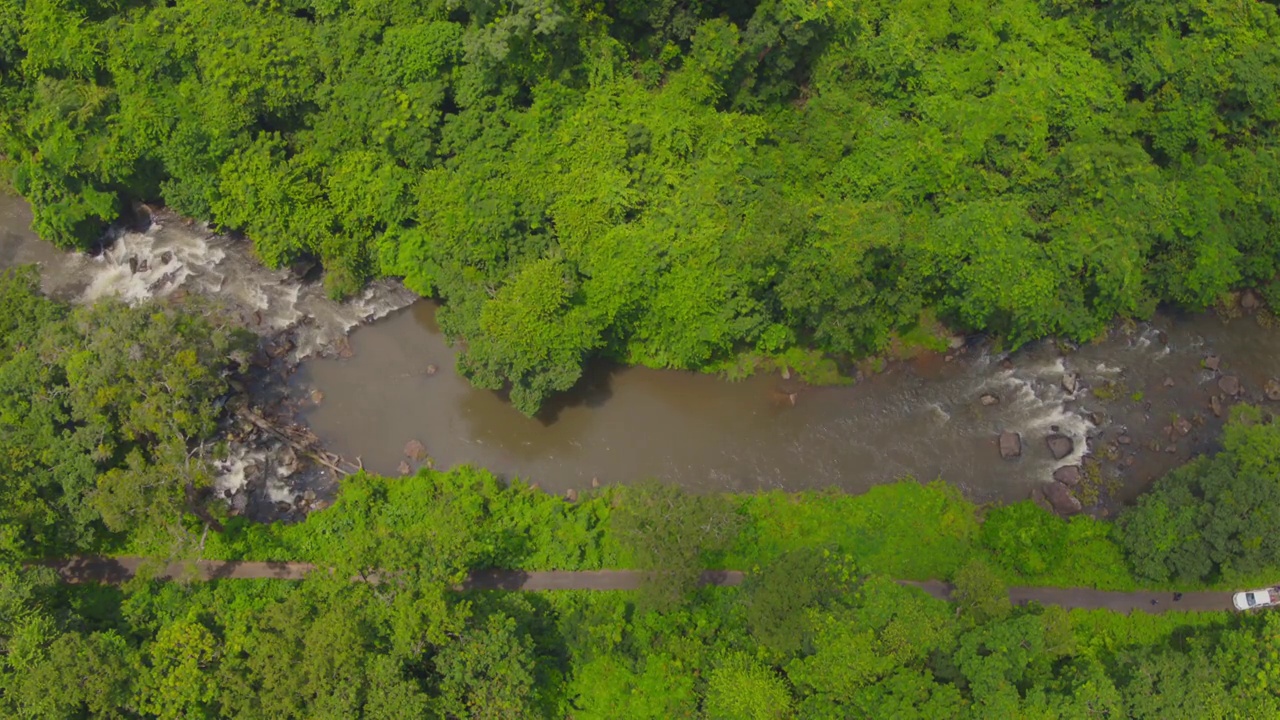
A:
776, 597
670, 533
980, 593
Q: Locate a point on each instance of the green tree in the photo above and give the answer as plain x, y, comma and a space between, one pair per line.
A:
777, 597
487, 674
671, 534
980, 593
1025, 537
740, 688
179, 677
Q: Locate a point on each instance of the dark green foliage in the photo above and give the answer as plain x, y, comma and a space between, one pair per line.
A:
776, 598
488, 673
1215, 516
675, 184
327, 648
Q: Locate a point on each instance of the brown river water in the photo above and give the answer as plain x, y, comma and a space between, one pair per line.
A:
921, 418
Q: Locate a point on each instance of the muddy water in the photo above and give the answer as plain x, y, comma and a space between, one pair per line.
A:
922, 419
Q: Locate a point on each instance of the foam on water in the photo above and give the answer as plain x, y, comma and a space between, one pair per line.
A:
173, 254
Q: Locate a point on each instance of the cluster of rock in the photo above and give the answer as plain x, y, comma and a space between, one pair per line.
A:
1059, 495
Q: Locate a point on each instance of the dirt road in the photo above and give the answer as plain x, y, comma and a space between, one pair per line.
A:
116, 570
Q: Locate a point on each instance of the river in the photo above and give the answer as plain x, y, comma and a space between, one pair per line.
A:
394, 383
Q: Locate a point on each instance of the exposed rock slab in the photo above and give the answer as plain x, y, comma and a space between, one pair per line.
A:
1060, 445
1230, 385
1010, 445
1069, 475
1070, 381
1062, 499
415, 450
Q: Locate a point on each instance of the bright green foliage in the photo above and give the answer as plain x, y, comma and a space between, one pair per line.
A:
179, 682
1025, 537
1212, 518
930, 540
740, 688
674, 184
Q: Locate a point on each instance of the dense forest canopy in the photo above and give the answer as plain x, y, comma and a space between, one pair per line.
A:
671, 183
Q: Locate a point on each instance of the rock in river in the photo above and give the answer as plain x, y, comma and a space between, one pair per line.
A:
1182, 425
1068, 475
1211, 362
1230, 385
1062, 499
415, 450
988, 400
1215, 405
1010, 445
1272, 389
1060, 445
1069, 382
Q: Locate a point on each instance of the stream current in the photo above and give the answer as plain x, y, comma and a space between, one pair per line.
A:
1141, 405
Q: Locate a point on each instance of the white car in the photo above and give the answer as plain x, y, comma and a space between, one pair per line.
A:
1256, 598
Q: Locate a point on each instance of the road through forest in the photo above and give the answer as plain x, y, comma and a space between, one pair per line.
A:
116, 570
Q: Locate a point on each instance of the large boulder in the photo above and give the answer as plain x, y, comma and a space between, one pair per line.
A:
1272, 389
1062, 499
1060, 445
1212, 362
1069, 475
1230, 385
1010, 445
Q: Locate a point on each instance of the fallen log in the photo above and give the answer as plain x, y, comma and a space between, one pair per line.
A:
326, 459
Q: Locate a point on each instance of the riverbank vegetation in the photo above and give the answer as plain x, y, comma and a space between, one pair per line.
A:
106, 421
675, 184
108, 418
